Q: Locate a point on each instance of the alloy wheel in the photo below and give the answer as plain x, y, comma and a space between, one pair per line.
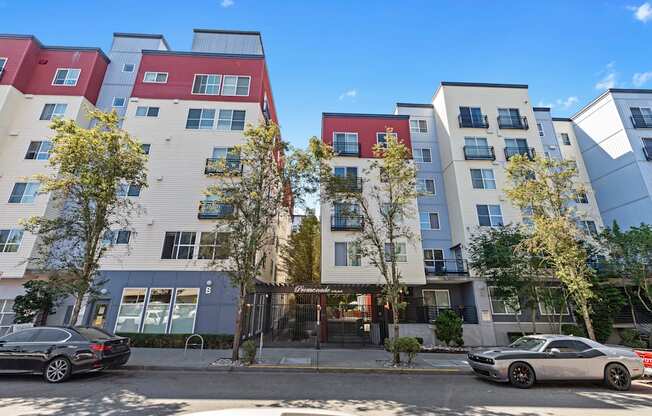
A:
521, 375
618, 377
57, 370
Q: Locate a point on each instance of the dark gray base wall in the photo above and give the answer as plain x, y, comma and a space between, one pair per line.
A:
216, 308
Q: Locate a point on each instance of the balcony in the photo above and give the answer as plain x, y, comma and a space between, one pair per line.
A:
349, 222
348, 184
525, 151
213, 210
479, 153
446, 267
428, 314
513, 122
647, 151
642, 121
221, 166
481, 122
346, 149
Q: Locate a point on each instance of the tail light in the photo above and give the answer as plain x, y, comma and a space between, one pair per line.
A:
100, 347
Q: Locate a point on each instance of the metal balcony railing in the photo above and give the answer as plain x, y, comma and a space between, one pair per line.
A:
481, 122
642, 121
348, 184
525, 151
222, 166
210, 210
513, 122
448, 266
428, 314
349, 222
346, 149
479, 153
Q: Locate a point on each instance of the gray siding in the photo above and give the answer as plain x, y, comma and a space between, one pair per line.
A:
236, 43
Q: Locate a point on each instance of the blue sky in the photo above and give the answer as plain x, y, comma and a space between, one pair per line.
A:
363, 56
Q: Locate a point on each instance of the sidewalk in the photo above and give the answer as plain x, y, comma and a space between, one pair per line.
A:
294, 359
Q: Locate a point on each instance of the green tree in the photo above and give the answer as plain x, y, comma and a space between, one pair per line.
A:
387, 198
39, 301
274, 177
89, 165
548, 188
301, 255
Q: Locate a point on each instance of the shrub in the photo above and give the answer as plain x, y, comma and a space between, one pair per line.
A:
249, 352
408, 346
211, 341
448, 328
631, 338
389, 344
419, 340
575, 330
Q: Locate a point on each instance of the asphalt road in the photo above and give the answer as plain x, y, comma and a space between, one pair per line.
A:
169, 393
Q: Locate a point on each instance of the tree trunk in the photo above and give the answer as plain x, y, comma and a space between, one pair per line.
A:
518, 322
534, 320
238, 325
74, 316
587, 320
397, 334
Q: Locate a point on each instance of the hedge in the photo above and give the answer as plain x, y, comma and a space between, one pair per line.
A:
211, 341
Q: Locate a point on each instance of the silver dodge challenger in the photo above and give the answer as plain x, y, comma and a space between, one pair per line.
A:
557, 357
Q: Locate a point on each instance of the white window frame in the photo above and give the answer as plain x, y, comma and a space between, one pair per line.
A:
217, 126
423, 188
566, 313
65, 79
235, 91
484, 179
349, 254
448, 295
202, 118
417, 128
404, 251
419, 151
28, 185
156, 74
565, 137
174, 304
384, 144
219, 84
170, 306
508, 309
3, 66
127, 187
39, 151
147, 107
421, 221
5, 311
55, 113
502, 219
133, 67
124, 102
122, 295
540, 130
433, 256
12, 233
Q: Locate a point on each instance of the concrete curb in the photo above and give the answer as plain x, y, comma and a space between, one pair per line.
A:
256, 368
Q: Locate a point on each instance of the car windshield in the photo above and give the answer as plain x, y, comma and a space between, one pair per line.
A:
527, 343
94, 333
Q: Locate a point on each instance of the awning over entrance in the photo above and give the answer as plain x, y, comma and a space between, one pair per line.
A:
312, 289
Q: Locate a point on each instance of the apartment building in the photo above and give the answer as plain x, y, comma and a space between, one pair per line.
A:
188, 108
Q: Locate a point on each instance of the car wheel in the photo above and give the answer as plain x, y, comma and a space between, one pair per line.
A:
617, 377
57, 370
521, 375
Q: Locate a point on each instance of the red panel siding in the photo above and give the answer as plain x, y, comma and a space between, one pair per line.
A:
17, 51
366, 127
267, 89
181, 71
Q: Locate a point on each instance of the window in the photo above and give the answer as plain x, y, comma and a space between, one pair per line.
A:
433, 258
207, 84
131, 309
26, 335
179, 245
3, 64
7, 315
185, 311
213, 246
540, 129
147, 111
121, 237
128, 67
528, 215
236, 85
426, 186
572, 346
156, 77
438, 298
347, 254
346, 143
51, 335
400, 252
10, 240
476, 142
118, 102
516, 144
509, 117
565, 139
581, 197
641, 116
422, 155
472, 117
381, 138
483, 179
429, 220
503, 306
24, 193
346, 172
125, 189
157, 313
231, 120
588, 227
200, 118
66, 76
418, 126
52, 111
552, 301
39, 150
144, 147
489, 215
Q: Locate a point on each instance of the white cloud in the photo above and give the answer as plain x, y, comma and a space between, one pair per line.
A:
227, 3
643, 12
641, 78
562, 103
609, 78
349, 94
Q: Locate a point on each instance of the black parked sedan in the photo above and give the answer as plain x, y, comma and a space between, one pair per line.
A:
58, 352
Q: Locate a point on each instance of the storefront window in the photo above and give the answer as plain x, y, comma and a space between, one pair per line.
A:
131, 310
158, 311
185, 310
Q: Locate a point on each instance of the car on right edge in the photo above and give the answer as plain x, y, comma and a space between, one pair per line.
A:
557, 357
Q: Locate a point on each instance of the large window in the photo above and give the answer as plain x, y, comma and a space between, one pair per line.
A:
552, 301
426, 187
565, 139
433, 258
10, 240
66, 76
120, 237
200, 118
503, 306
381, 138
489, 215
213, 246
185, 311
483, 179
438, 298
7, 315
119, 102
147, 111
347, 254
588, 227
156, 77
418, 126
476, 142
400, 252
179, 245
231, 120
128, 189
236, 85
207, 84
24, 193
540, 130
52, 111
472, 117
158, 311
429, 220
39, 150
130, 313
422, 155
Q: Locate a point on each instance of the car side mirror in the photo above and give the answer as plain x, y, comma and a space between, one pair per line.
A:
554, 351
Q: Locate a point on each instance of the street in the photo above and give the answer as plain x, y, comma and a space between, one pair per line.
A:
168, 393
